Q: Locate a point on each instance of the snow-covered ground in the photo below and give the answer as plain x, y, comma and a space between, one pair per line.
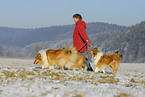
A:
20, 78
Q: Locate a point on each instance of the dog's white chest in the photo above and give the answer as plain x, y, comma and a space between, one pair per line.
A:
97, 58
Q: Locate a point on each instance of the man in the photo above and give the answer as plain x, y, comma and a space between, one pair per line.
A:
80, 38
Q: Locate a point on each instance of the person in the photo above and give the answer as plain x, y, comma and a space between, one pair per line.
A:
80, 38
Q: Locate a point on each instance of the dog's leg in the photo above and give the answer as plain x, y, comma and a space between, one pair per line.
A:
117, 71
98, 66
117, 68
61, 68
77, 65
113, 65
83, 66
97, 69
103, 70
114, 72
72, 67
103, 67
45, 66
51, 67
116, 65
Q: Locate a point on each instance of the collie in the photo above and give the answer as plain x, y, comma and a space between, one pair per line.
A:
105, 60
60, 57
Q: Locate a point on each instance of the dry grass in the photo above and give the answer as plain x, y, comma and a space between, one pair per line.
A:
30, 73
132, 80
73, 94
16, 58
36, 70
31, 79
127, 75
124, 95
1, 90
45, 93
131, 85
79, 95
22, 74
142, 82
108, 79
9, 73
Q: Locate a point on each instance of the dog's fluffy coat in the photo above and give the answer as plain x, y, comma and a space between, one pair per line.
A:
104, 60
80, 61
60, 57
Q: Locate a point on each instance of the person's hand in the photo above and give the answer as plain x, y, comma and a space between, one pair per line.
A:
89, 43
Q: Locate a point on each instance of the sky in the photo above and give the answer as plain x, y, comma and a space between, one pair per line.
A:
46, 13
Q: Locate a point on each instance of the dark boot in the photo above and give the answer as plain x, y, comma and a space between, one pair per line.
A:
89, 68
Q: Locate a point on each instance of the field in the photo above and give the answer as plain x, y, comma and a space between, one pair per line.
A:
20, 78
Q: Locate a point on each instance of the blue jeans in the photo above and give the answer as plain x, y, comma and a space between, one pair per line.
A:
87, 61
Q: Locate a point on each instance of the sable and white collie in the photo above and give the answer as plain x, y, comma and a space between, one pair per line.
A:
59, 57
105, 60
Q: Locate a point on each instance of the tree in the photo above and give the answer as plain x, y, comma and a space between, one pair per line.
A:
10, 54
1, 51
37, 48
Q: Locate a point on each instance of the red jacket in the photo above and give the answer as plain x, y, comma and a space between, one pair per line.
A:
80, 36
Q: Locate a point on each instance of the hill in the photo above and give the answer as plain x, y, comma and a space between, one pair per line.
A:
131, 42
22, 37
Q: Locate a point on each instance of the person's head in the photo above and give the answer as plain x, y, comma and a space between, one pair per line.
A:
77, 17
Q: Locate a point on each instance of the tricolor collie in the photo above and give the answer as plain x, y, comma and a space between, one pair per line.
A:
105, 60
59, 57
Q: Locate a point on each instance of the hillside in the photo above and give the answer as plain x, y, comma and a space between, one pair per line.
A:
131, 42
22, 37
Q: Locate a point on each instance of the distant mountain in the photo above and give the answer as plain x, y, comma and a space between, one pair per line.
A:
23, 37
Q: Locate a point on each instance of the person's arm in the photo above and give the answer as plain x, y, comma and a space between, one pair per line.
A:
83, 34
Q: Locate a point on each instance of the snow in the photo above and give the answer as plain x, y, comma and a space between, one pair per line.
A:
20, 78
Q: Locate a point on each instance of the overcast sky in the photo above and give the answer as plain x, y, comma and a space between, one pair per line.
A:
45, 13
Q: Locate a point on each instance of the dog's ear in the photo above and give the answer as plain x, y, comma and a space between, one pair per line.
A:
116, 52
119, 53
63, 48
94, 51
39, 56
68, 51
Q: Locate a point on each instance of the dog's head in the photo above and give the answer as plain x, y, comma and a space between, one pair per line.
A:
93, 52
119, 53
66, 50
37, 58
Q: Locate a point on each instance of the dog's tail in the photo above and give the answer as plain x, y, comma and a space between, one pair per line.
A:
119, 54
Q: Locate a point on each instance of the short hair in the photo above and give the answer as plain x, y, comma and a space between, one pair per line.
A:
77, 16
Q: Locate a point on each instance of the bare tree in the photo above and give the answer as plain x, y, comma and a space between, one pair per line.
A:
37, 48
1, 51
10, 54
